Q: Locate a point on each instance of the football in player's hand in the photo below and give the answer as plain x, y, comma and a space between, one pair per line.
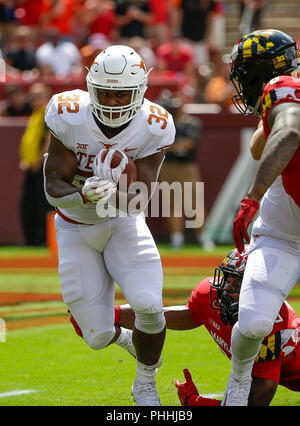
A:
130, 169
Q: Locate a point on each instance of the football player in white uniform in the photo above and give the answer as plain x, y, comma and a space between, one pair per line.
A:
264, 68
97, 252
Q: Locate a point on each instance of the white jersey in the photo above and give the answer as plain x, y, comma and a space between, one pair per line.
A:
279, 211
280, 206
69, 117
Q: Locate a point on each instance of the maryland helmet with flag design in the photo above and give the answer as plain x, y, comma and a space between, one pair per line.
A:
117, 68
255, 60
234, 264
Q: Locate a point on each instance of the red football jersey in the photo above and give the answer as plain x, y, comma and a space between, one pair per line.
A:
282, 89
279, 356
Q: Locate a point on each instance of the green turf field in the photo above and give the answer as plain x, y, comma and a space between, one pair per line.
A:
49, 365
58, 368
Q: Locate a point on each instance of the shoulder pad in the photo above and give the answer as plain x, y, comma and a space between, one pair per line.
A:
70, 107
203, 286
159, 121
283, 88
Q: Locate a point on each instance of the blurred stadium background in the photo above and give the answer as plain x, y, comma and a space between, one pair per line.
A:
208, 98
29, 285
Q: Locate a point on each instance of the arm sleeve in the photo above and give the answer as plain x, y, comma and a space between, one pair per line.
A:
162, 135
193, 306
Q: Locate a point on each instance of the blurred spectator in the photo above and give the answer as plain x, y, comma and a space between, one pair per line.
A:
8, 20
82, 16
2, 67
217, 35
29, 12
15, 102
180, 165
132, 16
251, 12
219, 90
34, 205
57, 56
103, 19
58, 14
195, 18
21, 54
158, 28
177, 56
94, 17
95, 45
141, 46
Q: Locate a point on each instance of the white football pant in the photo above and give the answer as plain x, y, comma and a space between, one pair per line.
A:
272, 270
93, 257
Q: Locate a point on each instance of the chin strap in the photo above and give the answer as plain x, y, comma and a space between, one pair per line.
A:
256, 109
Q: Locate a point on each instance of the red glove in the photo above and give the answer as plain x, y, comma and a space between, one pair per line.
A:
199, 401
246, 213
186, 389
188, 394
117, 313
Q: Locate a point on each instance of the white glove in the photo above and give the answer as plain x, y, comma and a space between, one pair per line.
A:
104, 170
96, 189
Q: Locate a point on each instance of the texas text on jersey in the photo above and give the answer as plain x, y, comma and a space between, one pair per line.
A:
69, 117
279, 350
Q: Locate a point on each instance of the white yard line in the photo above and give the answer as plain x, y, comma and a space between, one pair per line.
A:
16, 393
212, 395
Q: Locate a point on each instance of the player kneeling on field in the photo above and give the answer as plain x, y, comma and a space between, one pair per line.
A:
214, 304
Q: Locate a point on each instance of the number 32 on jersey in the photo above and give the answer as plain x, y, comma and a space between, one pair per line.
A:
69, 102
158, 115
71, 105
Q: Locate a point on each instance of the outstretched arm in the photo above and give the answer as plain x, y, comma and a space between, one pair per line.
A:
177, 317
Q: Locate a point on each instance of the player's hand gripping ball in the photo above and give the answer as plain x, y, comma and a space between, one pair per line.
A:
110, 164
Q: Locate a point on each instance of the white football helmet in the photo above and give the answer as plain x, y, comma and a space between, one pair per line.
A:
117, 68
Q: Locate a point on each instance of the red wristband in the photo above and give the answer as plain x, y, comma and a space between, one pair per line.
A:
197, 400
117, 313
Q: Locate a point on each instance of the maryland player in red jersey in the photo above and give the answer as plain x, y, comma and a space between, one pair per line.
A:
214, 304
264, 70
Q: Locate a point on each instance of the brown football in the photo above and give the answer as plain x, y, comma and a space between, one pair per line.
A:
130, 169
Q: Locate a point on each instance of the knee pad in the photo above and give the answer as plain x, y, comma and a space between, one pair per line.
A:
256, 329
96, 323
97, 339
150, 323
146, 303
149, 315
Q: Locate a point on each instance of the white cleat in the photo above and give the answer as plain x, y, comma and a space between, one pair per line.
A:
127, 343
237, 393
145, 395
